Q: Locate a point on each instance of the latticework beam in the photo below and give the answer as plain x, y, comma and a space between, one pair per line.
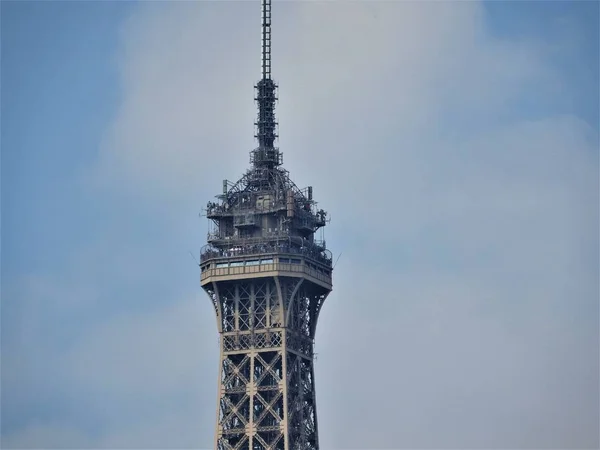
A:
267, 394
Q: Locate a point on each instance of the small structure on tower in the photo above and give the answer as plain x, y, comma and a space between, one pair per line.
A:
267, 277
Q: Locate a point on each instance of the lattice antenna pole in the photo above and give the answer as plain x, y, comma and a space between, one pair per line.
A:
266, 155
266, 39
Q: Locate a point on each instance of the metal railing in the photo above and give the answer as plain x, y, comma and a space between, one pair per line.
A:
312, 251
220, 210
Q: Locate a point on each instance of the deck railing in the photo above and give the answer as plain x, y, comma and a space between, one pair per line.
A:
312, 251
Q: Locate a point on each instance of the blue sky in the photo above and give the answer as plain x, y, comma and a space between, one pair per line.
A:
61, 87
454, 144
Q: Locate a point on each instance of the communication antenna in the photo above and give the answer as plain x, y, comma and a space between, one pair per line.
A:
266, 155
266, 39
336, 261
194, 258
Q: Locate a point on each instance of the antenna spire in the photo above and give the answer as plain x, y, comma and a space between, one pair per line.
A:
266, 155
266, 39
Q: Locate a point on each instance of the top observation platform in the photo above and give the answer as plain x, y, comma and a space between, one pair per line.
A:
312, 262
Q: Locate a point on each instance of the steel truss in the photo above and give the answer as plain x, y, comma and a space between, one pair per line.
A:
266, 384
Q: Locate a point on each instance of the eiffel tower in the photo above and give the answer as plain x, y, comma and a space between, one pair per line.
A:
267, 277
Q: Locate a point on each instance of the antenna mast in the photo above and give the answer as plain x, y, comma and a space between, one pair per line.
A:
266, 155
266, 39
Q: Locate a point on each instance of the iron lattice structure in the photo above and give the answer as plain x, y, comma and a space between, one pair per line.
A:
267, 277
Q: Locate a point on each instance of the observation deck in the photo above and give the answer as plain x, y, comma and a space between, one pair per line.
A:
266, 260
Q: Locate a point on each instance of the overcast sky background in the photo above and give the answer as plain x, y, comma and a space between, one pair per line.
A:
454, 144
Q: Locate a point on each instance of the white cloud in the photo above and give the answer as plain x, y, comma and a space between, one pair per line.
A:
405, 117
135, 351
138, 380
47, 435
465, 305
155, 369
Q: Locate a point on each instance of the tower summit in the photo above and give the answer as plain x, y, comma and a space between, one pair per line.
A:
267, 277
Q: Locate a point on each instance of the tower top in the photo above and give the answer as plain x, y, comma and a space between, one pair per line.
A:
264, 211
266, 155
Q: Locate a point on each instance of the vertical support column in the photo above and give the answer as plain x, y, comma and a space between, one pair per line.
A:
219, 393
314, 400
236, 316
251, 390
284, 392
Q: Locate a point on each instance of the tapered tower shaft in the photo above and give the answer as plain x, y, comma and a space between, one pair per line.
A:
267, 277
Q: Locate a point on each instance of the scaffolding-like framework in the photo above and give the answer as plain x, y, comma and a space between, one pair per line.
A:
267, 277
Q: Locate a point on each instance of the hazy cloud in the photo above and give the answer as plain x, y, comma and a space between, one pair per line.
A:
465, 304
